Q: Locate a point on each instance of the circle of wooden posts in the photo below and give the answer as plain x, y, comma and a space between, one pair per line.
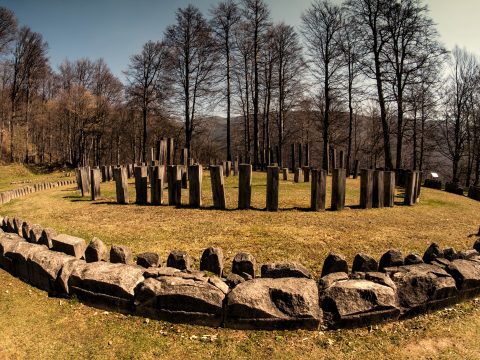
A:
377, 187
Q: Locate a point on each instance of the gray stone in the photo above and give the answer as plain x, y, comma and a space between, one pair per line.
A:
46, 238
468, 254
19, 255
413, 259
148, 259
219, 283
44, 268
391, 258
244, 263
450, 254
180, 300
179, 260
274, 304
358, 302
328, 280
476, 245
364, 263
466, 274
423, 286
334, 263
105, 285
8, 241
212, 260
96, 251
160, 271
432, 253
120, 254
17, 225
284, 270
234, 279
26, 231
70, 245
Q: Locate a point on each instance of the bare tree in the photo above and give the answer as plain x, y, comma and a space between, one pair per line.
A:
225, 16
290, 70
370, 24
412, 41
8, 28
193, 58
322, 24
29, 60
461, 84
147, 80
257, 15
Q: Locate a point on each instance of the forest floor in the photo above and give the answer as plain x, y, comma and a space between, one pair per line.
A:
33, 325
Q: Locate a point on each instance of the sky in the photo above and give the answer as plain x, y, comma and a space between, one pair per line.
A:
116, 29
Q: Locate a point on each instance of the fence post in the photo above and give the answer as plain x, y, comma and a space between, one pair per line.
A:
318, 190
244, 186
272, 188
338, 189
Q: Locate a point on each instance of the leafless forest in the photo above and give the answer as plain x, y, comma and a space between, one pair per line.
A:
370, 77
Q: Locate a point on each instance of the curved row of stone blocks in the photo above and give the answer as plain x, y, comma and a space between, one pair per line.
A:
286, 296
8, 195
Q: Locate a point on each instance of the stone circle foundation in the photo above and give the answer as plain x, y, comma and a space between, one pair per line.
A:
285, 296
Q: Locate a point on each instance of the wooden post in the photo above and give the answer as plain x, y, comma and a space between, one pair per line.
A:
195, 191
307, 155
84, 181
228, 168
121, 184
244, 186
292, 161
389, 188
341, 160
95, 184
366, 188
356, 167
272, 187
298, 175
378, 192
300, 157
285, 174
184, 169
410, 188
156, 185
174, 176
339, 181
319, 185
235, 166
218, 187
334, 159
170, 152
306, 174
104, 173
418, 187
162, 152
141, 185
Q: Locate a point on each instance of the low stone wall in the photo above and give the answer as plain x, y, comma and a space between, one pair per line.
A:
7, 196
285, 296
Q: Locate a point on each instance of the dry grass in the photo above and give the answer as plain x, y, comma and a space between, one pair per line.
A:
42, 327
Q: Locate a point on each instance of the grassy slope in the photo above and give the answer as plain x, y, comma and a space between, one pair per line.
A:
44, 327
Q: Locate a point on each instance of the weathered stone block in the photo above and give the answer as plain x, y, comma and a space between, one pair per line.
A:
148, 259
364, 263
70, 245
334, 263
274, 304
391, 258
212, 260
179, 260
105, 285
96, 251
178, 299
244, 264
120, 254
285, 270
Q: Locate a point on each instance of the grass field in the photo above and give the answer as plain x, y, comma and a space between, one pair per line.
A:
34, 325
